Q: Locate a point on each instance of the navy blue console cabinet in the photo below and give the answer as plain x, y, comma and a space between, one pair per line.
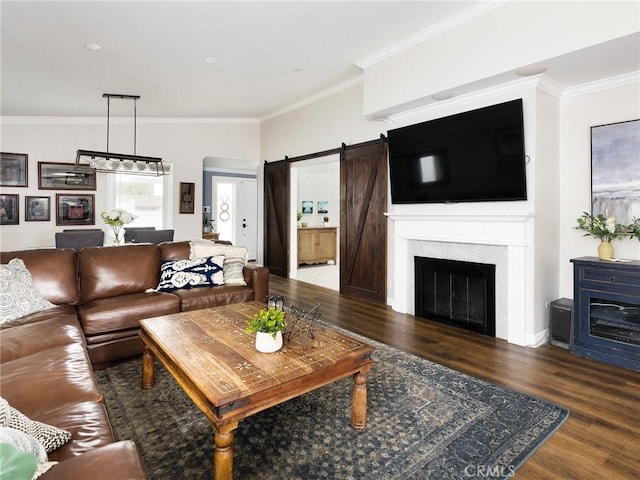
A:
606, 309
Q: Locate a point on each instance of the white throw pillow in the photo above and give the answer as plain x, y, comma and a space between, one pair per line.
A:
235, 258
19, 296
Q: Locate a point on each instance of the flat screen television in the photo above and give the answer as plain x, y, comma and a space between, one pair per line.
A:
475, 156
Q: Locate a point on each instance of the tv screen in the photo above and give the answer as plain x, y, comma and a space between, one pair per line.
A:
469, 157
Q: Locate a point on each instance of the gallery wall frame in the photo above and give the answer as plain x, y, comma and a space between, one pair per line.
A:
14, 169
615, 170
75, 209
307, 206
323, 206
62, 176
187, 197
37, 209
9, 210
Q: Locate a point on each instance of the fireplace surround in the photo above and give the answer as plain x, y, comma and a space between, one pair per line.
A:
504, 240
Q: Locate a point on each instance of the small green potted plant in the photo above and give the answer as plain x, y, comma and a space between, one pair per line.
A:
268, 325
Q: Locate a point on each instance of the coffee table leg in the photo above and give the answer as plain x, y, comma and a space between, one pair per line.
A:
223, 455
359, 399
148, 368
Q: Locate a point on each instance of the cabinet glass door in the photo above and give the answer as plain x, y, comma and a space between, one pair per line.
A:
614, 320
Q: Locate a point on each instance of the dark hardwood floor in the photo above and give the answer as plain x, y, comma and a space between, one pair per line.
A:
601, 438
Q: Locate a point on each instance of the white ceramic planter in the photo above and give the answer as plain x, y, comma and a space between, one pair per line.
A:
265, 342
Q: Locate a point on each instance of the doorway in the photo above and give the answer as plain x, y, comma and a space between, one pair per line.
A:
315, 194
234, 203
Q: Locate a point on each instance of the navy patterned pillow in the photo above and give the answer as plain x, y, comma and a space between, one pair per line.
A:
197, 272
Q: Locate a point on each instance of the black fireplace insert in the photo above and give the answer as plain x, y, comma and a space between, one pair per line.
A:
456, 293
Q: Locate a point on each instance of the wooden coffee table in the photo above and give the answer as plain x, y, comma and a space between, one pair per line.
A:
215, 361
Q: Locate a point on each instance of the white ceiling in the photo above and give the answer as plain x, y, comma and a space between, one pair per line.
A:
268, 55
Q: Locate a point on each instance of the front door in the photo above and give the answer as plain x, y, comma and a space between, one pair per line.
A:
235, 203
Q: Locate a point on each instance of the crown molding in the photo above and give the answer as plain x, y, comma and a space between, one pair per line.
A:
124, 121
314, 98
432, 31
632, 78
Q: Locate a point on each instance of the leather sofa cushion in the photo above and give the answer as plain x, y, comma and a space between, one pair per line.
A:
28, 338
174, 251
109, 351
119, 460
108, 315
49, 380
119, 270
89, 426
53, 272
197, 298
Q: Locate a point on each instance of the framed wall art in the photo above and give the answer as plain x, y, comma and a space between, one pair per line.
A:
615, 170
62, 176
307, 206
14, 169
75, 209
9, 211
37, 209
323, 206
187, 197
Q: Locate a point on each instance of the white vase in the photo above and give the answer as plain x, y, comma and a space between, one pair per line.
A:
265, 342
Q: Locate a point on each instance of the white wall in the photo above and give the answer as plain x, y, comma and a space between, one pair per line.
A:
513, 35
577, 115
183, 142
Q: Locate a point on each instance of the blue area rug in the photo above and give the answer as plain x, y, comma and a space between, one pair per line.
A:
424, 421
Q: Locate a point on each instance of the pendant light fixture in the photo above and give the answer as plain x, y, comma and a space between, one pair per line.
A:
109, 162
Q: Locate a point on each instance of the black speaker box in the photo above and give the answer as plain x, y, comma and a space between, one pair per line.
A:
560, 322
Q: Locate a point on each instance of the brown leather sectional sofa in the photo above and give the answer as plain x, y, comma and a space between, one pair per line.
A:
100, 294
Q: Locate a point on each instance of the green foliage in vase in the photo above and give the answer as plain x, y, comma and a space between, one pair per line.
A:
599, 226
270, 321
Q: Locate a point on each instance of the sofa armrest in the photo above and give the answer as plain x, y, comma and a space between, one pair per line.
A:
116, 461
257, 277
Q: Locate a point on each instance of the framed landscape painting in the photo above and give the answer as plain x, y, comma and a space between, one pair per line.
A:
62, 176
615, 170
307, 206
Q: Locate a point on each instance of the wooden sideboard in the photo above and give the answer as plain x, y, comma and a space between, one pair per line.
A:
316, 245
211, 236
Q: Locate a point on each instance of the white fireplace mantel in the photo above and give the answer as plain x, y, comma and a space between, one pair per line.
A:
511, 232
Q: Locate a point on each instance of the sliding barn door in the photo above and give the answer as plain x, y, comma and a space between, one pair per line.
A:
276, 217
363, 225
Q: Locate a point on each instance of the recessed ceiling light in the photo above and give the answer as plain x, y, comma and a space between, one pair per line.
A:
531, 70
211, 60
92, 46
442, 96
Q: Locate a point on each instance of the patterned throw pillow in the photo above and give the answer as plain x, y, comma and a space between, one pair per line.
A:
19, 296
48, 436
235, 258
198, 272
